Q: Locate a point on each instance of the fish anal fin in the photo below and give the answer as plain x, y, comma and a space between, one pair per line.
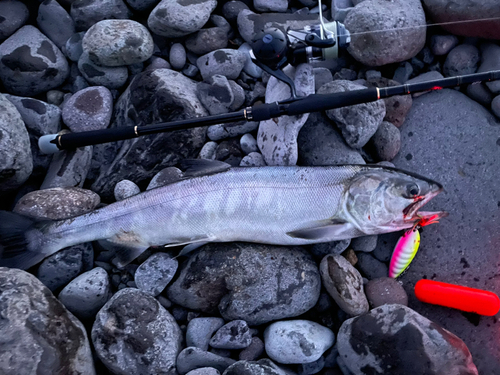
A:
202, 167
323, 229
126, 245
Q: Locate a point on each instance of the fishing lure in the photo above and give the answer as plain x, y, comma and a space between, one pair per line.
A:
404, 252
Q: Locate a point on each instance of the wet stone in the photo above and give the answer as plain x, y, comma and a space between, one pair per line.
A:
223, 131
270, 5
233, 335
125, 189
365, 243
164, 177
200, 330
248, 144
480, 93
490, 54
73, 47
68, 168
177, 56
385, 290
495, 106
250, 68
208, 151
85, 295
117, 43
204, 371
226, 62
252, 351
155, 273
207, 40
141, 5
252, 368
55, 22
231, 9
371, 267
193, 358
321, 77
253, 159
443, 44
216, 95
109, 77
13, 14
462, 59
311, 367
297, 341
86, 13
319, 250
30, 63
386, 142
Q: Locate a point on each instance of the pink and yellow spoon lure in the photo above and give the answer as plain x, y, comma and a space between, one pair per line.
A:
406, 248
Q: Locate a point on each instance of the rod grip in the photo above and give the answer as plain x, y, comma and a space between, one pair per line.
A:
93, 137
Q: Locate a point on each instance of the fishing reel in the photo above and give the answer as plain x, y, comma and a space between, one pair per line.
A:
273, 49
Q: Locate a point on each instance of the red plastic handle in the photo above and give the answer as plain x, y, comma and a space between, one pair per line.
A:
458, 297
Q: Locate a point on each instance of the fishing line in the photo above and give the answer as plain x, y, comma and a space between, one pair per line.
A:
427, 25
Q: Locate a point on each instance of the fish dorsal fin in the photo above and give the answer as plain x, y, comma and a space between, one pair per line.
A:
202, 167
324, 229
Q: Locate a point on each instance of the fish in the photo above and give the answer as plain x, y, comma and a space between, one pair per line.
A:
214, 202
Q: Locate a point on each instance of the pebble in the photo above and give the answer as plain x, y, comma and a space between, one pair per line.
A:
297, 341
229, 152
190, 70
371, 267
192, 358
208, 151
248, 143
125, 189
233, 335
216, 95
386, 142
250, 68
403, 73
443, 44
231, 9
480, 93
319, 250
385, 290
495, 106
223, 131
134, 334
350, 256
85, 295
14, 14
158, 63
173, 18
239, 96
204, 371
345, 75
73, 47
365, 243
164, 177
109, 77
55, 97
177, 56
253, 351
207, 40
253, 368
372, 75
344, 284
311, 367
31, 63
253, 159
200, 330
490, 61
226, 62
359, 122
86, 13
118, 42
321, 77
463, 59
270, 5
155, 273
55, 22
141, 5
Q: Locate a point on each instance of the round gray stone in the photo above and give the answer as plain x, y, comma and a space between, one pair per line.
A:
154, 274
386, 142
208, 40
251, 368
88, 109
248, 143
233, 335
164, 177
208, 151
490, 55
365, 243
141, 5
252, 351
226, 62
495, 106
200, 330
223, 131
86, 13
16, 163
204, 371
117, 43
463, 59
134, 334
385, 290
192, 358
443, 44
253, 159
30, 63
13, 14
177, 56
216, 95
249, 67
110, 77
231, 9
176, 18
85, 295
480, 93
158, 63
55, 22
319, 250
371, 267
297, 341
125, 189
270, 5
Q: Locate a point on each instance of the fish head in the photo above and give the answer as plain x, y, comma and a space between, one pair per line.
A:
382, 200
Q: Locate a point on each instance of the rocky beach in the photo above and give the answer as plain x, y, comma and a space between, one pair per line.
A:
237, 307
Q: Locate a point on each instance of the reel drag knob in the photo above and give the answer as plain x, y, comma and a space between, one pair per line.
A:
270, 47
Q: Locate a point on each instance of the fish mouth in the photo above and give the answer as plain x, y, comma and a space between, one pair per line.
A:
412, 215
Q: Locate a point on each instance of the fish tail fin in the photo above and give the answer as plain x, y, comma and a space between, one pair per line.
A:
21, 240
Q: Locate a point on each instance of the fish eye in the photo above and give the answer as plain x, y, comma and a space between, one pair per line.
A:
412, 190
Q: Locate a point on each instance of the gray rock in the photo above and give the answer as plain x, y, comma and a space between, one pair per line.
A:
177, 56
251, 368
223, 131
340, 9
57, 203
386, 142
200, 330
39, 326
117, 43
373, 75
253, 159
277, 138
231, 9
88, 109
385, 246
86, 13
55, 22
252, 351
16, 162
154, 274
239, 96
319, 250
175, 18
134, 334
141, 5
359, 122
73, 46
229, 151
311, 367
297, 341
248, 144
321, 77
193, 358
110, 77
223, 277
216, 95
164, 177
270, 5
495, 106
158, 63
480, 93
463, 59
489, 61
85, 295
382, 48
320, 143
365, 243
440, 11
226, 62
344, 284
125, 189
68, 168
208, 151
55, 97
403, 72
250, 68
345, 74
190, 70
60, 268
204, 371
207, 40
371, 267
30, 63
443, 44
373, 342
385, 290
258, 92
13, 14
233, 335
153, 96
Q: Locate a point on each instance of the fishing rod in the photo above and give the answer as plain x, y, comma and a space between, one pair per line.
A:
272, 50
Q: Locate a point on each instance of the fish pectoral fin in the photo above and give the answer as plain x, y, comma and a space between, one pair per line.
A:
331, 228
202, 167
191, 241
190, 248
126, 245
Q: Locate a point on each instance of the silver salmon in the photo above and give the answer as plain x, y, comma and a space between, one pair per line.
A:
215, 203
